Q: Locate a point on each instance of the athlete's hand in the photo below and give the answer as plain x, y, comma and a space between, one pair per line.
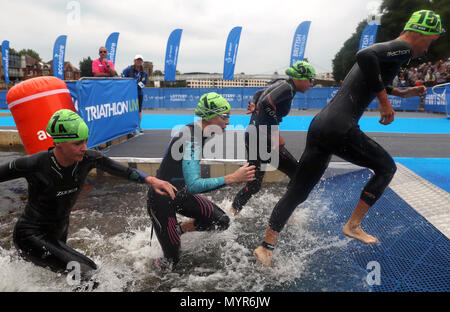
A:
245, 173
415, 91
250, 108
161, 187
387, 114
386, 111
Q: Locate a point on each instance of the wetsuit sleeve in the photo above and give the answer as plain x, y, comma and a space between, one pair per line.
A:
18, 168
117, 169
191, 171
369, 60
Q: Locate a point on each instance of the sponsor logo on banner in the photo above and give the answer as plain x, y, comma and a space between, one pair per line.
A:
396, 102
5, 59
435, 100
178, 97
111, 46
299, 42
60, 58
171, 59
231, 50
108, 110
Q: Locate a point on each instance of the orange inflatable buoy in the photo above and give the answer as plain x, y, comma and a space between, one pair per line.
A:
32, 103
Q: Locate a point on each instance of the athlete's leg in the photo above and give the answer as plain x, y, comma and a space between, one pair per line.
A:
288, 163
162, 213
48, 251
310, 169
207, 215
251, 188
363, 151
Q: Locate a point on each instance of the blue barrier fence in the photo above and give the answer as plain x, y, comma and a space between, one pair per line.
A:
239, 97
316, 97
438, 101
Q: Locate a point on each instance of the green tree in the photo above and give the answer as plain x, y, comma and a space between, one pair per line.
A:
86, 67
31, 53
345, 58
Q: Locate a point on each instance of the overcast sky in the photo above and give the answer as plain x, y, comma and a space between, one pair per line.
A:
268, 28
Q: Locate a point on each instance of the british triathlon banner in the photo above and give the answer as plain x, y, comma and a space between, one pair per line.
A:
111, 46
5, 60
109, 107
368, 36
231, 50
59, 50
173, 46
299, 42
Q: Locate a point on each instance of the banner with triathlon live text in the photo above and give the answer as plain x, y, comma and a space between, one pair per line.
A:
109, 107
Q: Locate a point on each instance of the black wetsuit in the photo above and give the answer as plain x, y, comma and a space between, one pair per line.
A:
181, 167
40, 234
335, 130
272, 104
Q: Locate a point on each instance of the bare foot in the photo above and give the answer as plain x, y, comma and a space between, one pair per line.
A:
355, 231
263, 255
188, 226
234, 211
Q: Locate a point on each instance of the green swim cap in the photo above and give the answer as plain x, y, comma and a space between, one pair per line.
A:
425, 22
66, 125
301, 70
210, 105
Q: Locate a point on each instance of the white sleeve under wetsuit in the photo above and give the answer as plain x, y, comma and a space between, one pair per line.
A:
41, 232
335, 130
181, 167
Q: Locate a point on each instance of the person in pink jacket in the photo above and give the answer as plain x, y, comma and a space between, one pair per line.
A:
102, 67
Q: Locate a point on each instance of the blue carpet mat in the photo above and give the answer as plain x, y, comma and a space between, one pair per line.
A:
412, 254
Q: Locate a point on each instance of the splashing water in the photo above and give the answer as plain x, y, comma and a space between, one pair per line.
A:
110, 225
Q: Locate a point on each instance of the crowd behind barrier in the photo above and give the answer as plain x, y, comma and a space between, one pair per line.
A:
428, 74
315, 98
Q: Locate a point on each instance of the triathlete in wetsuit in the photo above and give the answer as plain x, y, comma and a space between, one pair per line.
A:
55, 179
270, 106
335, 130
181, 167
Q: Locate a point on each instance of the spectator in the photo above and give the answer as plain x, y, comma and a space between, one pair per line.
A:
443, 75
102, 67
403, 82
137, 72
430, 79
